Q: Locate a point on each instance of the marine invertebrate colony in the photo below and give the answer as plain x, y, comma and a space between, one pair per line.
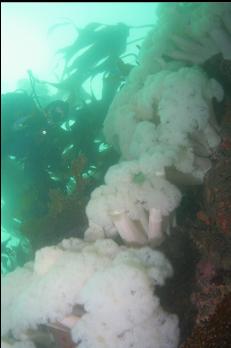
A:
133, 202
162, 123
87, 274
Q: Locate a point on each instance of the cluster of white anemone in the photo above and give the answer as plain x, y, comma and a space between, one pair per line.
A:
112, 286
163, 125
